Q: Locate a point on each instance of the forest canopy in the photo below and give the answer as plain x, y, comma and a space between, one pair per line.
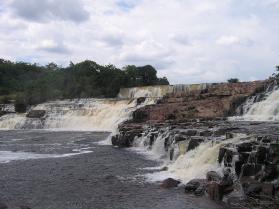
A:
32, 84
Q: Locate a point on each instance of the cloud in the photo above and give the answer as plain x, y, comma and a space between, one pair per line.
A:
228, 40
112, 40
147, 52
189, 41
127, 5
52, 47
48, 10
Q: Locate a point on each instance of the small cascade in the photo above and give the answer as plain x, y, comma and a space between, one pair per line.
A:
79, 114
186, 157
145, 91
261, 107
161, 90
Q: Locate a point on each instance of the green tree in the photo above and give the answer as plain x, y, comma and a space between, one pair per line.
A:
233, 80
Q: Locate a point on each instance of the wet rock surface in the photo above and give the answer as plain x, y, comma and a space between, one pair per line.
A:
36, 114
169, 183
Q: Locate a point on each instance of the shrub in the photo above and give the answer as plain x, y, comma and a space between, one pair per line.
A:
233, 80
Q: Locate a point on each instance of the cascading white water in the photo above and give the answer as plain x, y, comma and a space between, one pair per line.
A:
186, 165
83, 114
145, 91
161, 90
266, 110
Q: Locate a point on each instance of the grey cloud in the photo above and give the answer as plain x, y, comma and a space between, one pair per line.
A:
46, 10
159, 62
113, 40
53, 47
181, 39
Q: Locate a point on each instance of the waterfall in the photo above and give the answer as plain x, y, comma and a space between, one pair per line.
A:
161, 90
145, 91
78, 114
266, 110
185, 165
263, 110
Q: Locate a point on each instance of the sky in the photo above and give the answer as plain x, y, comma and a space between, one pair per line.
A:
188, 41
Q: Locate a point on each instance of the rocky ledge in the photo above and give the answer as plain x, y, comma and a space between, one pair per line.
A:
249, 175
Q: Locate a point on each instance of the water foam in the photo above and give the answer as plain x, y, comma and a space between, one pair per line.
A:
193, 164
266, 110
76, 115
8, 156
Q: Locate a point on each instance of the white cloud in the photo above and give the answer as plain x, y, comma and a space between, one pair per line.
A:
228, 40
188, 41
52, 46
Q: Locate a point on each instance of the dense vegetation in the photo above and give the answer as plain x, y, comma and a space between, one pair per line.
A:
233, 80
31, 84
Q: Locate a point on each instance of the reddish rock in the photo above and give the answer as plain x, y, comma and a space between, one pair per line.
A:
216, 101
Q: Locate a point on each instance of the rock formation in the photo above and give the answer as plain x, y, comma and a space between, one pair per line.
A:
185, 121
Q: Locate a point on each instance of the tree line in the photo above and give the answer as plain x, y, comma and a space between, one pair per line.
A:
29, 84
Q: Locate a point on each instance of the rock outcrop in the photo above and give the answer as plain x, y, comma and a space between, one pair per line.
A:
219, 100
185, 121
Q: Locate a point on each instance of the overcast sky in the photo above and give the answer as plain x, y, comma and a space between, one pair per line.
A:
189, 41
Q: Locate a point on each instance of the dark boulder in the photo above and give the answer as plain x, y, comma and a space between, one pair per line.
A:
201, 189
229, 135
36, 114
180, 137
221, 155
220, 132
261, 154
214, 191
152, 138
238, 166
250, 169
140, 100
213, 176
194, 142
255, 189
189, 132
226, 182
274, 153
206, 133
124, 139
169, 183
245, 147
269, 173
242, 159
193, 185
228, 157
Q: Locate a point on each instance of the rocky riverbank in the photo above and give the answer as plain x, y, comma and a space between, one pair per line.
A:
247, 152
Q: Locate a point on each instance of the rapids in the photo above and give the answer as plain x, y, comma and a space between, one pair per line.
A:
263, 110
78, 114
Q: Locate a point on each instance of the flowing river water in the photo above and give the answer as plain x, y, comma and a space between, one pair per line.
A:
72, 170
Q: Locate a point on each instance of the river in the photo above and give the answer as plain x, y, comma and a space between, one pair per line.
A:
71, 170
